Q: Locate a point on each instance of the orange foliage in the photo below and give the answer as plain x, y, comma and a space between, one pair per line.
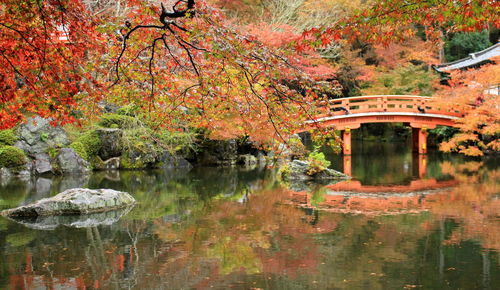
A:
475, 93
414, 49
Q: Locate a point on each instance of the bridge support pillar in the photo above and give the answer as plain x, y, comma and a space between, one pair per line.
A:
346, 140
347, 165
419, 165
419, 137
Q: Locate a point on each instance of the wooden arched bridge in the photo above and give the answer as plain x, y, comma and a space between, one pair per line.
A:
418, 112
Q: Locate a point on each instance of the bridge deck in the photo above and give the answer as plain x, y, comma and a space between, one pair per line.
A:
421, 113
351, 112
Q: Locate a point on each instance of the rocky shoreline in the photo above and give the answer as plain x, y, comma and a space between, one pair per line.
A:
37, 148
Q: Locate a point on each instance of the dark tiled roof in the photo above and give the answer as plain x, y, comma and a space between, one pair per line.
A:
473, 59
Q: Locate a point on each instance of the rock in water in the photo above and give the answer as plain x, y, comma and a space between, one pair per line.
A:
297, 177
73, 221
74, 201
298, 170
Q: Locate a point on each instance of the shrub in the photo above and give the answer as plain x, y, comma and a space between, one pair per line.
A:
128, 110
53, 152
178, 141
119, 121
317, 162
7, 137
80, 149
91, 143
11, 156
404, 80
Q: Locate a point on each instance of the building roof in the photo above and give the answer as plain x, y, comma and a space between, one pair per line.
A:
473, 59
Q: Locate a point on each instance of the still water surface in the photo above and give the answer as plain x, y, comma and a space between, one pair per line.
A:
404, 223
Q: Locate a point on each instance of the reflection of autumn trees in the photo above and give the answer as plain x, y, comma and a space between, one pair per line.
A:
197, 237
261, 235
475, 204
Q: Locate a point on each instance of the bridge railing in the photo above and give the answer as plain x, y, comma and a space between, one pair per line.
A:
386, 103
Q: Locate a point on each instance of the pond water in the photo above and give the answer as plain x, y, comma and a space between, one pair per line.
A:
405, 222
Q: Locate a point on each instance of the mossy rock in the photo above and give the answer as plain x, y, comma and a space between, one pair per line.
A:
53, 152
119, 121
12, 157
128, 163
80, 150
91, 143
97, 163
7, 137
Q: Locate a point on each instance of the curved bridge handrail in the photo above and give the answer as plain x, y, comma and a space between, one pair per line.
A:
380, 96
385, 103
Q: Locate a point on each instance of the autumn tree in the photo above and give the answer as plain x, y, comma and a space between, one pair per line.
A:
43, 47
187, 69
184, 64
475, 92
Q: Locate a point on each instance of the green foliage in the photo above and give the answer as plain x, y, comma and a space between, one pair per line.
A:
178, 141
442, 133
87, 145
53, 152
404, 80
119, 121
284, 172
137, 138
80, 150
7, 137
127, 163
91, 142
463, 43
318, 196
11, 156
317, 162
44, 136
129, 110
20, 239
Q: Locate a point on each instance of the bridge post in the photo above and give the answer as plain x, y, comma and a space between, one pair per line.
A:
346, 140
414, 138
347, 165
419, 138
419, 165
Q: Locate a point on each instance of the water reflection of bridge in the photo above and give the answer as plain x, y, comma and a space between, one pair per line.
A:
354, 197
419, 164
415, 186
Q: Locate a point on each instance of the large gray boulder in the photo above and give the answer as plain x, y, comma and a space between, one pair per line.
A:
71, 163
37, 135
74, 221
41, 163
169, 161
74, 201
218, 153
297, 177
111, 141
